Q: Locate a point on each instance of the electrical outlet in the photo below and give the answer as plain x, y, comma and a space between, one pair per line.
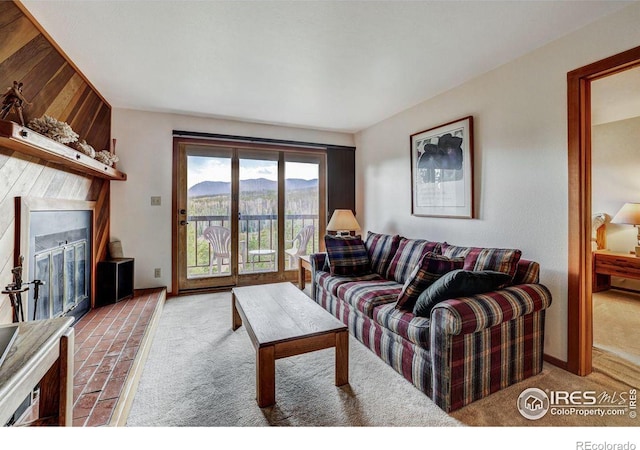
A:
157, 272
155, 201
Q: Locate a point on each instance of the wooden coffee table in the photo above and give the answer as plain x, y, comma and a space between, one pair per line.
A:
282, 321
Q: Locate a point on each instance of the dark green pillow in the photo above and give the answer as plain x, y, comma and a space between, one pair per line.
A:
459, 283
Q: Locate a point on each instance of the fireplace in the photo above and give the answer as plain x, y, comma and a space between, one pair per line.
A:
56, 242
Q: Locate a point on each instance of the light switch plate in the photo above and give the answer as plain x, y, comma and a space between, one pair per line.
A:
155, 201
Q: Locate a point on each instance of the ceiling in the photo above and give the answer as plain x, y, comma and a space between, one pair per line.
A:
332, 65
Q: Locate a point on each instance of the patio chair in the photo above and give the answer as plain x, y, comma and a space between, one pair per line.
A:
299, 245
220, 240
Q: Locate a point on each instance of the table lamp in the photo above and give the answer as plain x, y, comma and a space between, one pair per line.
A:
343, 222
630, 214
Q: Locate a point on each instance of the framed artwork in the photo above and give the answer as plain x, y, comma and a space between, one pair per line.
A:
442, 170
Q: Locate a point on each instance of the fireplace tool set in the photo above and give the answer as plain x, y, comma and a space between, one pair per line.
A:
17, 288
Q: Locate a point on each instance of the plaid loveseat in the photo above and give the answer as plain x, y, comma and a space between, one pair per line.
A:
469, 347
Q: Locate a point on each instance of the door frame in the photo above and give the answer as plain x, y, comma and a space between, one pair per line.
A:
235, 147
180, 173
580, 271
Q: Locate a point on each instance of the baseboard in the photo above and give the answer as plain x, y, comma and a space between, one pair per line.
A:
555, 361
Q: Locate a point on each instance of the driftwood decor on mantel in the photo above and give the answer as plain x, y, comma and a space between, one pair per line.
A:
28, 142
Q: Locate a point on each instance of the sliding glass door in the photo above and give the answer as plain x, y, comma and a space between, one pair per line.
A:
258, 211
204, 227
302, 207
244, 215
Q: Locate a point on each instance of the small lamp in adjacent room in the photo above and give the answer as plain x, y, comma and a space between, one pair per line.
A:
343, 222
630, 214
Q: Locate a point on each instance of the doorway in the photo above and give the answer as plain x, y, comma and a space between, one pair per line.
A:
615, 133
580, 308
244, 214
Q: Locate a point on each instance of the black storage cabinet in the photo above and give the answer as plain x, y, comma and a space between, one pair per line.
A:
114, 281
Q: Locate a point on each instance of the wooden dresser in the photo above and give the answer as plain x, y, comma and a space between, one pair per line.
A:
607, 264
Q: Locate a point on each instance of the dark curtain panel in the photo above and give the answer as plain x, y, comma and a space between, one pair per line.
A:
341, 179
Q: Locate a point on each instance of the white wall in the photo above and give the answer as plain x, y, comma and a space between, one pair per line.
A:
521, 175
145, 148
615, 164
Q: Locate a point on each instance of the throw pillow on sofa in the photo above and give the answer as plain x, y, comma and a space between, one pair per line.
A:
381, 248
407, 257
347, 255
430, 269
459, 283
479, 258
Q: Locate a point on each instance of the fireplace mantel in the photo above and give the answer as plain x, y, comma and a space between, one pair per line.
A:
27, 141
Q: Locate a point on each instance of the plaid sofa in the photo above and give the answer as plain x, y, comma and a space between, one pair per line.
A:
468, 348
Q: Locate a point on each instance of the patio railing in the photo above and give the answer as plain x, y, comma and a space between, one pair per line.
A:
256, 232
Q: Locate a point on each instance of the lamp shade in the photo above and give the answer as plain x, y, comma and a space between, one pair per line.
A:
343, 220
629, 214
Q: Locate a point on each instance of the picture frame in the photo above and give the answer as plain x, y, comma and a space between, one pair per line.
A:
442, 170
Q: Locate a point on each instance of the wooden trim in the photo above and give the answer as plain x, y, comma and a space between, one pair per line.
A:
281, 213
65, 410
125, 401
239, 141
240, 145
580, 314
205, 284
174, 213
55, 45
555, 361
235, 212
609, 66
181, 282
580, 202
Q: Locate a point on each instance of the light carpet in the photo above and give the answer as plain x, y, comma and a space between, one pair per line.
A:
616, 323
200, 373
616, 353
500, 408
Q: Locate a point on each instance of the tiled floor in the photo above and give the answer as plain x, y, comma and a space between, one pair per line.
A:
107, 341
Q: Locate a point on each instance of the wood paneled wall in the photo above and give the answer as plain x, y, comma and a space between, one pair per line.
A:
51, 83
54, 87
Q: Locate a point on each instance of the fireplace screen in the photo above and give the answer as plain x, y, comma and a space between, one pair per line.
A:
60, 256
63, 269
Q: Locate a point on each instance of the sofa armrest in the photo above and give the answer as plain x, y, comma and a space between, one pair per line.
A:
527, 272
318, 261
466, 315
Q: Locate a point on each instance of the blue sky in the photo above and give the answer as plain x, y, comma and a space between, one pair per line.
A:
203, 168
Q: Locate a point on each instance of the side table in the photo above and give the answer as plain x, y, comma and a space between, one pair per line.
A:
304, 267
267, 252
